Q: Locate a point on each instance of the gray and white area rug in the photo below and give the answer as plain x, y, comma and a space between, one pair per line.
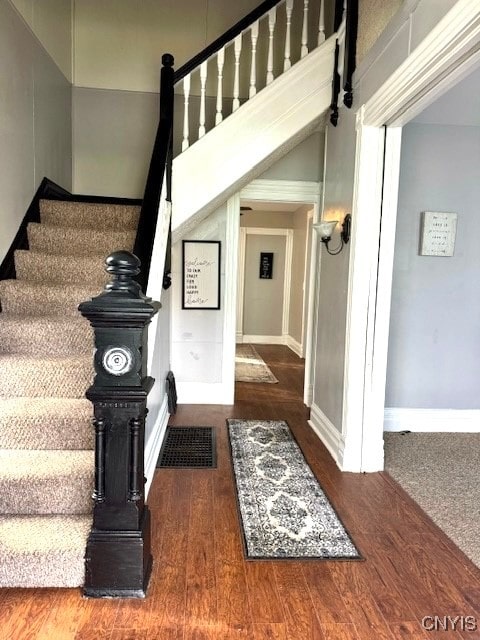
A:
284, 511
250, 366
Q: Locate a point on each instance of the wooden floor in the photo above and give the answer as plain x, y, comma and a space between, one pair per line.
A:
202, 587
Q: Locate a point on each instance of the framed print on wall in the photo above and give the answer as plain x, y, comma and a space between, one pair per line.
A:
201, 274
266, 265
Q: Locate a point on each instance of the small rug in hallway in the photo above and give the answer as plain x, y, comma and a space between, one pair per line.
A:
250, 366
284, 512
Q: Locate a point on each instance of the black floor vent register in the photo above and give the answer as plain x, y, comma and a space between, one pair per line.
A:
188, 447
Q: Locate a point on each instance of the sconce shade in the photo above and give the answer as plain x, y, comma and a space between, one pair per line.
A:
325, 228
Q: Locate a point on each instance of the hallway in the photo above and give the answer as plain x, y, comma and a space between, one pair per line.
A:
202, 588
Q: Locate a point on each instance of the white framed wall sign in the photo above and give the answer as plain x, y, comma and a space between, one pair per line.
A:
201, 274
437, 234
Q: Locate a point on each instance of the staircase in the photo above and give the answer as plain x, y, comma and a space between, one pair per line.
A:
46, 364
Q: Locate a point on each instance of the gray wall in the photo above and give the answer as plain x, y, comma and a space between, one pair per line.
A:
35, 121
304, 162
113, 135
297, 284
263, 298
333, 285
434, 348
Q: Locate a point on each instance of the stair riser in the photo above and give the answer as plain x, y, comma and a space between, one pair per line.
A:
82, 242
85, 215
46, 340
69, 496
46, 551
20, 297
58, 436
46, 379
42, 267
28, 570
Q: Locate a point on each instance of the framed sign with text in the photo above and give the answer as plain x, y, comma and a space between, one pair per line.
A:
201, 274
266, 266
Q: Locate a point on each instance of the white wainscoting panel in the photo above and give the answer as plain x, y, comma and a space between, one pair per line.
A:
154, 443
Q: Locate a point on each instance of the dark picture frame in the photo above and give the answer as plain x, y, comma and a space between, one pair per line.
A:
201, 274
266, 265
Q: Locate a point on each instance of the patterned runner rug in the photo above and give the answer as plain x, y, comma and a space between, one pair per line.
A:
250, 366
284, 512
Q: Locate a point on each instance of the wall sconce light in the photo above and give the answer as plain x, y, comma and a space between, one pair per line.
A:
325, 230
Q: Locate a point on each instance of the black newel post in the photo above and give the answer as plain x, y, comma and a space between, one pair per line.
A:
118, 557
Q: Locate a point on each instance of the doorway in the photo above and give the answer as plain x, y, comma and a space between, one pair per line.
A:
286, 196
444, 58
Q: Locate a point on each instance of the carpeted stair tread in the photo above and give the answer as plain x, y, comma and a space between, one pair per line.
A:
39, 482
67, 240
87, 214
52, 376
44, 267
43, 551
45, 335
46, 423
36, 298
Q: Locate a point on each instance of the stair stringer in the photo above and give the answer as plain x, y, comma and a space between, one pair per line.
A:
245, 144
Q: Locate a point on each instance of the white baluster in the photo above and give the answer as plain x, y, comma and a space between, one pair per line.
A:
272, 16
253, 68
203, 84
237, 46
220, 63
288, 8
186, 96
304, 50
321, 23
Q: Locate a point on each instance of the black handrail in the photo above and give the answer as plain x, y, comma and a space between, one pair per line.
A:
224, 39
336, 76
161, 157
350, 50
349, 57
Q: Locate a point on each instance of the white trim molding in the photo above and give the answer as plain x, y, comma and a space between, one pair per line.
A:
154, 443
230, 298
294, 345
432, 420
282, 191
252, 339
449, 51
302, 192
326, 431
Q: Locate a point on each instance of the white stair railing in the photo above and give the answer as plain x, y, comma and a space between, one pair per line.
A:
288, 25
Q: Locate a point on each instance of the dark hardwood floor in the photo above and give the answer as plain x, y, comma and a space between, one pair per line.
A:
202, 587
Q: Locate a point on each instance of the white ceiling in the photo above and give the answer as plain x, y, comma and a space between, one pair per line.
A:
459, 106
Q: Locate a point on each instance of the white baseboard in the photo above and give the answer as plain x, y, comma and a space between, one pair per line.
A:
204, 393
295, 346
326, 431
264, 339
446, 420
154, 443
287, 340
